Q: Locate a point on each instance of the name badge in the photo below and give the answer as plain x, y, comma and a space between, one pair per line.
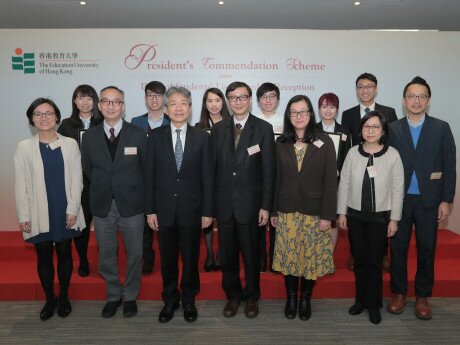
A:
344, 137
54, 145
318, 143
372, 171
436, 176
130, 151
253, 149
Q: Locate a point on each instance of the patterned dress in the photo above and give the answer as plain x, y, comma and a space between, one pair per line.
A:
301, 249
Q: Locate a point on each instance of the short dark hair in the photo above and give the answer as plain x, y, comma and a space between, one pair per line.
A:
236, 85
289, 131
84, 90
204, 117
420, 81
368, 76
330, 98
113, 88
383, 122
267, 87
40, 101
155, 87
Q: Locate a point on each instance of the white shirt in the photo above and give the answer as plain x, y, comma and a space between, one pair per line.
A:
328, 128
86, 122
362, 108
242, 122
183, 133
276, 120
117, 128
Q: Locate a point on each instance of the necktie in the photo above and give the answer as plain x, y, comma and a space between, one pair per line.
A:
367, 110
112, 134
178, 152
237, 133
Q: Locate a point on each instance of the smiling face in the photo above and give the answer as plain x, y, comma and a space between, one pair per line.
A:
300, 115
154, 101
44, 117
372, 130
366, 90
420, 100
268, 102
239, 101
84, 104
178, 109
112, 112
327, 111
213, 104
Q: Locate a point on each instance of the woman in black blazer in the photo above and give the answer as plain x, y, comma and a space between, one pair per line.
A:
85, 114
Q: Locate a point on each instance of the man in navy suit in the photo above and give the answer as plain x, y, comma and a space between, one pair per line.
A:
154, 101
179, 204
427, 150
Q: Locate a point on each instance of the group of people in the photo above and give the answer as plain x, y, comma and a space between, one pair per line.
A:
373, 175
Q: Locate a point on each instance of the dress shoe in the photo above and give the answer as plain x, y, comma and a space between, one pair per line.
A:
48, 310
83, 270
208, 265
64, 308
231, 307
290, 310
396, 304
374, 315
423, 308
251, 309
167, 313
110, 309
190, 312
129, 308
386, 264
351, 263
147, 267
356, 308
216, 267
263, 266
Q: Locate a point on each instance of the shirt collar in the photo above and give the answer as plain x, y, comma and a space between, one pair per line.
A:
183, 128
416, 124
117, 127
242, 122
363, 107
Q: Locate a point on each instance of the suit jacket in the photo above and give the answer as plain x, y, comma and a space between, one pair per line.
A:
435, 152
182, 196
344, 145
66, 128
243, 182
142, 121
121, 179
351, 119
313, 189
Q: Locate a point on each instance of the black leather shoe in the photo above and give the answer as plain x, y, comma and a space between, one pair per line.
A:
110, 309
208, 265
231, 307
263, 266
216, 267
374, 315
304, 307
290, 310
356, 309
83, 270
129, 308
64, 308
251, 309
48, 310
167, 313
190, 312
147, 267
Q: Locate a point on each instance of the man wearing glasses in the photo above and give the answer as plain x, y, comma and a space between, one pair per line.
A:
427, 149
243, 156
114, 158
154, 101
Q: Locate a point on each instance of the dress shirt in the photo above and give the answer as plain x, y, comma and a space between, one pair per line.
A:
328, 128
155, 123
242, 123
117, 128
183, 133
86, 122
362, 108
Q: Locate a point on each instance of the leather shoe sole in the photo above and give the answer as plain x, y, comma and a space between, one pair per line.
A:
231, 307
110, 309
190, 313
167, 313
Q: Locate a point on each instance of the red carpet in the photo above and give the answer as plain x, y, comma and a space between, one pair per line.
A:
19, 278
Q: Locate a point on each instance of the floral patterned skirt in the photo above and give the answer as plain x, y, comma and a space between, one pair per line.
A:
301, 249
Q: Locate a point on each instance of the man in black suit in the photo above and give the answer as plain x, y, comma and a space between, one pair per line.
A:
155, 117
113, 158
427, 150
243, 155
179, 200
366, 91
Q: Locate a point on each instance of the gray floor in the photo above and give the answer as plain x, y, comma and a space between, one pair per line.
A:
330, 324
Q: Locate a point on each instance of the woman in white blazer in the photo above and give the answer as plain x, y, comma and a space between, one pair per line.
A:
48, 185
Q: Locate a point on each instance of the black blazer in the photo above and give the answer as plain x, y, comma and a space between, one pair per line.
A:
66, 128
351, 119
435, 152
243, 183
186, 195
313, 190
121, 179
344, 145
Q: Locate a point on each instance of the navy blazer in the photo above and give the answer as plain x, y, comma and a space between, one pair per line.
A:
122, 178
435, 152
351, 118
183, 196
143, 122
344, 145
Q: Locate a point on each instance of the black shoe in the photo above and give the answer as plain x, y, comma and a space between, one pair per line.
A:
147, 267
290, 310
304, 307
356, 309
83, 270
263, 266
231, 307
216, 267
190, 312
167, 313
48, 310
208, 265
110, 309
129, 308
64, 308
374, 315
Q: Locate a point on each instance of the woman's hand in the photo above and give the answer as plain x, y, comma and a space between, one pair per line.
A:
25, 226
342, 222
324, 225
70, 221
274, 221
392, 228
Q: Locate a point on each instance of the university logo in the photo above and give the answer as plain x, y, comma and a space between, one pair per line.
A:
23, 61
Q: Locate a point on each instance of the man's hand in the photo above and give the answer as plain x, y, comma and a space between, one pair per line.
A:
206, 222
263, 217
152, 221
443, 211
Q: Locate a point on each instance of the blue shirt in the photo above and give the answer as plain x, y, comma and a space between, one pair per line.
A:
415, 129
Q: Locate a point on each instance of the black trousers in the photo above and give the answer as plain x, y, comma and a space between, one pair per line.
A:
263, 244
236, 238
172, 240
426, 231
368, 243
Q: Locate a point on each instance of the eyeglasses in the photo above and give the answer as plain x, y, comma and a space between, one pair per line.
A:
365, 87
412, 97
47, 114
373, 128
302, 113
115, 102
271, 97
154, 96
242, 98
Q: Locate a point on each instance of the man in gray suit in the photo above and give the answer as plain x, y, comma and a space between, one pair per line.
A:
113, 158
